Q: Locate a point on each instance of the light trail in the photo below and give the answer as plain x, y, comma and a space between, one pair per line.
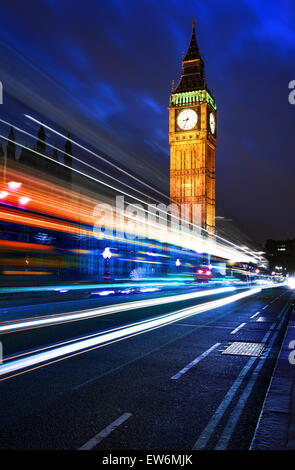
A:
108, 310
96, 155
10, 290
249, 252
107, 337
78, 160
226, 255
210, 248
173, 237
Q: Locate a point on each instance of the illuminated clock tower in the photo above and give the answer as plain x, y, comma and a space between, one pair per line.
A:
192, 138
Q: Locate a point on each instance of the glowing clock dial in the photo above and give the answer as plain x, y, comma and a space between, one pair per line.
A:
212, 123
187, 119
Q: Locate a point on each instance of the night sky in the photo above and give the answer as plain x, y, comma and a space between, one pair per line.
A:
103, 70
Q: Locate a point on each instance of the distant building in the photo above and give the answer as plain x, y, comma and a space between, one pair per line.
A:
281, 255
31, 156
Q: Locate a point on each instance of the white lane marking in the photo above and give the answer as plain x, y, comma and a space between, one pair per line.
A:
236, 413
194, 362
263, 308
107, 310
105, 432
238, 328
116, 334
253, 316
205, 436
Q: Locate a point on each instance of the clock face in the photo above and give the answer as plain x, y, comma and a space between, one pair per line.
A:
212, 123
187, 119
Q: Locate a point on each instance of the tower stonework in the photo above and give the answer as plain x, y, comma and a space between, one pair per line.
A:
192, 139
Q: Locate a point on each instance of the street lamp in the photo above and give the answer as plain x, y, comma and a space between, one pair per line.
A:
178, 264
24, 200
3, 194
107, 254
13, 185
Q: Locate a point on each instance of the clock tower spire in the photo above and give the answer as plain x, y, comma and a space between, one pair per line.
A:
192, 139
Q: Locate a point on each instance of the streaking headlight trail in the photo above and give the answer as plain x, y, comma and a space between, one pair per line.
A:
126, 306
117, 334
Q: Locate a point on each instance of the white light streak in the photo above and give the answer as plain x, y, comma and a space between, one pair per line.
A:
117, 334
136, 179
226, 251
95, 155
108, 310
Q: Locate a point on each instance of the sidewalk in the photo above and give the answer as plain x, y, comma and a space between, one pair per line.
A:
276, 425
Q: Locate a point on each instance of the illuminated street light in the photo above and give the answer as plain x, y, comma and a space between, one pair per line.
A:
24, 200
291, 282
3, 194
107, 254
257, 271
14, 185
177, 264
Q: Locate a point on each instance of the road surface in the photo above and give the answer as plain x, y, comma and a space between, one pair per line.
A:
166, 387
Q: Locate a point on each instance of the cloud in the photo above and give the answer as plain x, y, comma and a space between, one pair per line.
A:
152, 104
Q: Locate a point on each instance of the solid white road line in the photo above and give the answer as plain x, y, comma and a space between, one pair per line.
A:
105, 432
253, 316
194, 362
238, 328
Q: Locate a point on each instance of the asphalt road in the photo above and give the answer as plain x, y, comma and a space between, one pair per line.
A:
145, 391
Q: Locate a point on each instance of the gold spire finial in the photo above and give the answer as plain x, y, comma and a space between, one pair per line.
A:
172, 86
194, 21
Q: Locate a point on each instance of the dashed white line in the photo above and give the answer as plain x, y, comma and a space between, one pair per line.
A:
238, 328
255, 315
105, 432
194, 362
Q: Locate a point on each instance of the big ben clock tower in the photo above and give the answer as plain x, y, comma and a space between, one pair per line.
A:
192, 139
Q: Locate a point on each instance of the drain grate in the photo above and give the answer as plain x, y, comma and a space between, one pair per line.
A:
244, 349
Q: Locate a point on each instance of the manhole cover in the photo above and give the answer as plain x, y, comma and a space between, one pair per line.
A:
244, 349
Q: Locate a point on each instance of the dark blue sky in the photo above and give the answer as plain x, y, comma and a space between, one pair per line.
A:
103, 69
